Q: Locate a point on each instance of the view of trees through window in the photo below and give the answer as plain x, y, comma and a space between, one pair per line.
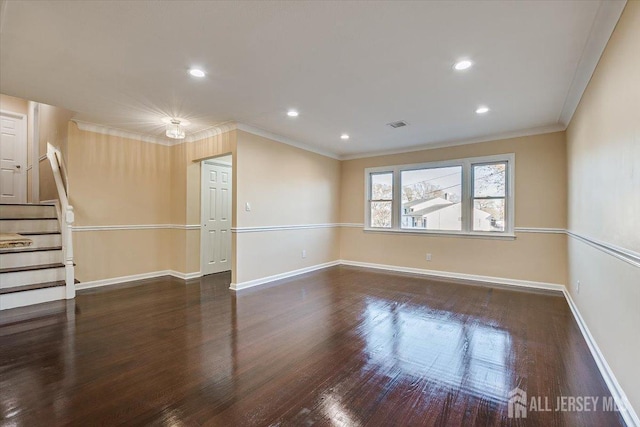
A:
489, 196
381, 199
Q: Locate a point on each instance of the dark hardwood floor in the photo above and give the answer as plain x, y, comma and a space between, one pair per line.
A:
342, 346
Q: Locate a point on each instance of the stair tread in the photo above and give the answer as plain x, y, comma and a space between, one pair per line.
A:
32, 287
29, 218
37, 233
30, 249
31, 268
27, 204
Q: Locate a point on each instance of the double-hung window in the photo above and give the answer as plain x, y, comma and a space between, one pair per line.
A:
472, 196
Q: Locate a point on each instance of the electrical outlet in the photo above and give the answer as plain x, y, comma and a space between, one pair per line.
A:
428, 257
304, 253
578, 286
247, 207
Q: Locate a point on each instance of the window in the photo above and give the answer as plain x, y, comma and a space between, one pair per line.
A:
465, 196
381, 200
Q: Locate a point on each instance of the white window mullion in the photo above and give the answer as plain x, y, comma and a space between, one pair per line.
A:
396, 206
467, 201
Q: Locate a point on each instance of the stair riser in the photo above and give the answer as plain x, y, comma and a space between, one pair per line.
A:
29, 225
45, 240
23, 259
21, 278
20, 299
22, 211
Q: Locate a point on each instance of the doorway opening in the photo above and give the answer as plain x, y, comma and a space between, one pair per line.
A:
216, 204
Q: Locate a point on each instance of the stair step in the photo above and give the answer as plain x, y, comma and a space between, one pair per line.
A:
29, 225
31, 257
32, 287
20, 276
30, 268
31, 297
27, 210
30, 249
42, 240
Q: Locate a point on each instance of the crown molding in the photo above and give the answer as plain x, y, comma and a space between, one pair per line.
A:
211, 132
602, 28
266, 134
452, 143
106, 130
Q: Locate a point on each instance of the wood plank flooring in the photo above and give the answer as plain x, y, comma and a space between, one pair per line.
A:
342, 346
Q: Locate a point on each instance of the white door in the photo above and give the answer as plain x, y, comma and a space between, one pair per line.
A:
13, 158
216, 217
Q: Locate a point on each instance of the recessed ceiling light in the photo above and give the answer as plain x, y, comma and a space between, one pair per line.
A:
344, 136
463, 65
482, 109
197, 72
292, 113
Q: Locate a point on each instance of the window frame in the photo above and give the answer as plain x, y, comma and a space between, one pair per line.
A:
467, 198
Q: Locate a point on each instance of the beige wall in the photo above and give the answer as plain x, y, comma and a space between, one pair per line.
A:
603, 144
119, 181
540, 201
13, 104
284, 186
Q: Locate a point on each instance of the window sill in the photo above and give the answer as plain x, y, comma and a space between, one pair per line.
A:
477, 235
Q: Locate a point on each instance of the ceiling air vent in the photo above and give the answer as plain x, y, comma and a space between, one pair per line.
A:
398, 124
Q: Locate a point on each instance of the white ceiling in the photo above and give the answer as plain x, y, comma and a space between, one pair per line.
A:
346, 66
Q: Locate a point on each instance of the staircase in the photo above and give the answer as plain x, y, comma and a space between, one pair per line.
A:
33, 270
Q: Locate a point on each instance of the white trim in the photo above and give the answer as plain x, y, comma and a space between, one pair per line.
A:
543, 230
266, 134
626, 410
24, 128
42, 158
280, 276
258, 229
452, 143
602, 28
459, 276
185, 276
35, 147
134, 277
121, 133
136, 227
624, 254
211, 132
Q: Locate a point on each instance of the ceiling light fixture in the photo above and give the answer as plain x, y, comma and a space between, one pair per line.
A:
175, 130
344, 136
292, 113
196, 72
482, 109
463, 65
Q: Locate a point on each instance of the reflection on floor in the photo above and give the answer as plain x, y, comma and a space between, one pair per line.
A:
341, 346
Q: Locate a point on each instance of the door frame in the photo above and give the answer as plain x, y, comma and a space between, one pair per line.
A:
215, 161
23, 125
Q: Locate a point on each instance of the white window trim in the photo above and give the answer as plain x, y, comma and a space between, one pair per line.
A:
466, 195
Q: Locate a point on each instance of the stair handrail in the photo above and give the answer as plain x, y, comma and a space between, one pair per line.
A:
67, 216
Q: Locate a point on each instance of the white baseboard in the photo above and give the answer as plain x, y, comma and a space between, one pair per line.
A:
264, 280
460, 276
626, 410
185, 276
134, 277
